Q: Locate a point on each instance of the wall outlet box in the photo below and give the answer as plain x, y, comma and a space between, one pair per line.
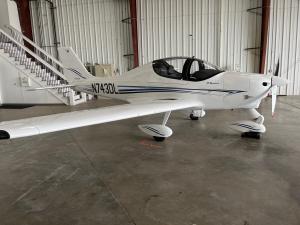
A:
25, 82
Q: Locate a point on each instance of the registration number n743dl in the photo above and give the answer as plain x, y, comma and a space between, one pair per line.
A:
104, 88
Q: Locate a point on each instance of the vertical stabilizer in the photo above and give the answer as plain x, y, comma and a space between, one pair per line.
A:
74, 70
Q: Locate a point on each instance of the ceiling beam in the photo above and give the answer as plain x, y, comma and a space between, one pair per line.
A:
264, 33
133, 16
24, 16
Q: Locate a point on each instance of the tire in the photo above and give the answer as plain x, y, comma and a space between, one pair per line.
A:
192, 117
159, 139
254, 135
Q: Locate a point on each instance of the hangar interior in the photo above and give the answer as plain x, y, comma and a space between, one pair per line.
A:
113, 174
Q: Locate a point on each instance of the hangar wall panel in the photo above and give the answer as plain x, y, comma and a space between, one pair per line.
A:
218, 31
284, 43
92, 27
178, 28
240, 35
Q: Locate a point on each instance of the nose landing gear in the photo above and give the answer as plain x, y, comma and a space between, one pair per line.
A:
251, 128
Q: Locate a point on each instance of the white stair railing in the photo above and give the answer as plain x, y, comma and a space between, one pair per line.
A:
37, 61
51, 60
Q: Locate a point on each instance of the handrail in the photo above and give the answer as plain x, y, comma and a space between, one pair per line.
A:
14, 30
49, 90
52, 68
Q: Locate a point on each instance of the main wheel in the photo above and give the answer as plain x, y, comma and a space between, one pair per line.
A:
194, 117
159, 139
255, 135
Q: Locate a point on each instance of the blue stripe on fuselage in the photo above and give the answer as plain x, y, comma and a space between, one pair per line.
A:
146, 89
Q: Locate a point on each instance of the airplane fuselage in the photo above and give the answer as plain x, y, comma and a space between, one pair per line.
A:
226, 90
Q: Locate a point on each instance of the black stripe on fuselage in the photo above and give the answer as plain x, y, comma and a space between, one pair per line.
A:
145, 89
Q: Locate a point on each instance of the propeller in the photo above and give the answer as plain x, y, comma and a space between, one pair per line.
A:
275, 83
274, 98
277, 69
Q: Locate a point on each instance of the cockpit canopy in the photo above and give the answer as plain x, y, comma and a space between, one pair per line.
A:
184, 68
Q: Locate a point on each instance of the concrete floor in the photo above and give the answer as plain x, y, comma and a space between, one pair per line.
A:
108, 174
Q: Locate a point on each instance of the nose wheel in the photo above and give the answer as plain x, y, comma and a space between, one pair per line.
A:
251, 128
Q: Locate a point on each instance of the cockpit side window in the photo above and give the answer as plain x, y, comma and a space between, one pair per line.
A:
181, 68
164, 69
204, 72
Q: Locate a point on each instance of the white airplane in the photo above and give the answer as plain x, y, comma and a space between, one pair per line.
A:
161, 86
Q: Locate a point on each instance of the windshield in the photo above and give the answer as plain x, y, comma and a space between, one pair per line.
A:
183, 68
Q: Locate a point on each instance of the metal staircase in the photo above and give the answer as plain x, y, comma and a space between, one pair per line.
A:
38, 65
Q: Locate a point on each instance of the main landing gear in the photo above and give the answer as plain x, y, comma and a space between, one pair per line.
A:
196, 114
159, 139
192, 117
255, 135
158, 131
251, 128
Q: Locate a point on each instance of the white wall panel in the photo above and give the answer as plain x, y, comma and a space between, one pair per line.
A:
92, 27
9, 14
284, 43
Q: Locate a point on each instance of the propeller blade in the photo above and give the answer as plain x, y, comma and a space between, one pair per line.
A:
274, 98
277, 69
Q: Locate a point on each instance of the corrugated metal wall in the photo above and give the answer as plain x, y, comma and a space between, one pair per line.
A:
218, 31
284, 43
240, 35
178, 28
43, 26
92, 27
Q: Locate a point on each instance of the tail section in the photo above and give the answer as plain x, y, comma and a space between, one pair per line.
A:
74, 70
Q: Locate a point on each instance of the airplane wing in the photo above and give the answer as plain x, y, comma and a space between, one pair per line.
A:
69, 120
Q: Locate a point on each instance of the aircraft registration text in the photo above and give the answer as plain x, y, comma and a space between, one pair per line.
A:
104, 88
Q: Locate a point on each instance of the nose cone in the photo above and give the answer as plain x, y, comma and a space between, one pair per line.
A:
279, 81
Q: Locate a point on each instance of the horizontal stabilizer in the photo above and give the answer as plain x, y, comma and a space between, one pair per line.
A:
50, 87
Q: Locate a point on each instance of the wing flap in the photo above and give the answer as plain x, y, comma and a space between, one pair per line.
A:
69, 120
